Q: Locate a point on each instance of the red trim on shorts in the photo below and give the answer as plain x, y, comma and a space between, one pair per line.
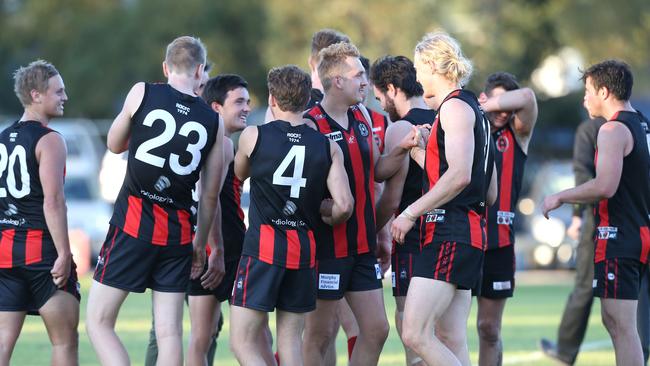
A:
505, 191
186, 226
410, 266
133, 216
601, 244
267, 243
248, 264
34, 246
397, 272
160, 230
293, 250
6, 248
440, 253
360, 196
615, 277
475, 230
450, 266
108, 256
645, 244
605, 284
312, 248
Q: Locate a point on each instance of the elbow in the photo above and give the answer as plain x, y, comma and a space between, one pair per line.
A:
348, 207
529, 94
462, 180
54, 203
115, 148
607, 191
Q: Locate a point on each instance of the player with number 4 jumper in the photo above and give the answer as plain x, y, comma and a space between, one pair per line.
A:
172, 135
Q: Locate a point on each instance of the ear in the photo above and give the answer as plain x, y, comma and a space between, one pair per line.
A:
216, 107
604, 93
272, 101
198, 71
482, 96
391, 90
165, 69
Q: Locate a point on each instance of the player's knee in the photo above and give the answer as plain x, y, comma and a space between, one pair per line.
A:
378, 332
489, 330
412, 337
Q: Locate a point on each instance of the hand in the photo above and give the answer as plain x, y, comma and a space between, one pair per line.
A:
573, 231
326, 207
550, 203
61, 270
382, 252
198, 261
415, 137
215, 272
400, 226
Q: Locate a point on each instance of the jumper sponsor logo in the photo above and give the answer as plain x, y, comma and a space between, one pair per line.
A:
376, 129
182, 109
162, 183
290, 208
328, 281
11, 210
13, 136
155, 197
285, 222
436, 215
294, 137
610, 276
505, 217
14, 222
501, 286
335, 136
607, 232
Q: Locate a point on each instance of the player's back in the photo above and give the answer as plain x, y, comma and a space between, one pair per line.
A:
289, 169
171, 135
25, 238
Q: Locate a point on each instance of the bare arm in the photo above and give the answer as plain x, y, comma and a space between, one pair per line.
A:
492, 188
524, 104
211, 179
51, 155
339, 187
247, 141
614, 142
120, 131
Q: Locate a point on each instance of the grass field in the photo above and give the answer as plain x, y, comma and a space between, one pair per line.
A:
533, 313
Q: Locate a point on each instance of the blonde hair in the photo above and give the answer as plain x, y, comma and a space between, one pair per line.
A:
443, 53
331, 59
184, 54
35, 76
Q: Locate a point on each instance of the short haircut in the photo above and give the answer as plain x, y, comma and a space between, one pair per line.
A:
207, 67
290, 86
614, 75
365, 62
325, 38
396, 70
443, 53
35, 76
501, 79
331, 59
217, 88
184, 54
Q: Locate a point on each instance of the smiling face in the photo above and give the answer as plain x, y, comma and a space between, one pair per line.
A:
52, 100
387, 104
235, 109
353, 80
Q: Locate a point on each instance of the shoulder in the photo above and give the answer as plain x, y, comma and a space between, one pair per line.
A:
456, 109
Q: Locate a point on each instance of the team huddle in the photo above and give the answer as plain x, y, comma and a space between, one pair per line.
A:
339, 193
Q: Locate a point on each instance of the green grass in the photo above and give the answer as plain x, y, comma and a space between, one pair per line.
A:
534, 312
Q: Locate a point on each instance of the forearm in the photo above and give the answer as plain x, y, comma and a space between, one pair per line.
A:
418, 154
55, 212
216, 232
387, 165
207, 206
586, 193
447, 187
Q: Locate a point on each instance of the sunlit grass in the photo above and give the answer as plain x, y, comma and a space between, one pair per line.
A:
533, 313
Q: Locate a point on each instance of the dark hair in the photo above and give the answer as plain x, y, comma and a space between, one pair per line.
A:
218, 87
290, 86
614, 75
325, 38
501, 79
396, 70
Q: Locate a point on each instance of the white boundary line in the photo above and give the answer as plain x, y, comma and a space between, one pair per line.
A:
538, 355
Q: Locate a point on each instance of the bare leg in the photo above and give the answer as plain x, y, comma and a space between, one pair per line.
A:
168, 313
61, 317
368, 308
289, 327
246, 325
488, 323
411, 357
426, 301
451, 327
11, 322
104, 304
320, 329
204, 315
349, 325
619, 317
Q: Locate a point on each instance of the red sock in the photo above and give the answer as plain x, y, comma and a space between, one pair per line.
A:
351, 342
277, 358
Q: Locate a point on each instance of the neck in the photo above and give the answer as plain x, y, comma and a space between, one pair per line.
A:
413, 102
336, 107
616, 106
34, 115
182, 83
294, 119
